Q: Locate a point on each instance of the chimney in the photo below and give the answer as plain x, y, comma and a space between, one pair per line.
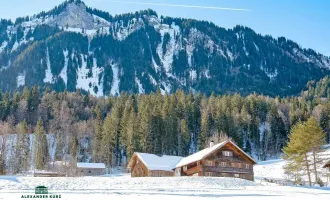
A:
211, 143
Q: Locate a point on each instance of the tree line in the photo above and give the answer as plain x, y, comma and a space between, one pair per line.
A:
110, 130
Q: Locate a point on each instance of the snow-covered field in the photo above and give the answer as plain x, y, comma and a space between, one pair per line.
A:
125, 187
273, 169
122, 186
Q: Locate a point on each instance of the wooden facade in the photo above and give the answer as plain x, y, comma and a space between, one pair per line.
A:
226, 161
222, 160
138, 169
90, 172
90, 169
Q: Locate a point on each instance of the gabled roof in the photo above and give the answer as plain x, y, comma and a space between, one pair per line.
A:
205, 152
154, 162
91, 165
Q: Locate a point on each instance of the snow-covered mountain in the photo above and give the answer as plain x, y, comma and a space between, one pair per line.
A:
76, 47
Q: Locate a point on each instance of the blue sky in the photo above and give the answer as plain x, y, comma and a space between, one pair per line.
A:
306, 22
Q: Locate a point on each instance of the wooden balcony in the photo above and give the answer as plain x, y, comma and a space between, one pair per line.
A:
222, 158
193, 170
227, 169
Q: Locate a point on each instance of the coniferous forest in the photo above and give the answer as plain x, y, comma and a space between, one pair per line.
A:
39, 125
142, 51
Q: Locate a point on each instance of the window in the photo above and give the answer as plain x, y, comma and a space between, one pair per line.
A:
208, 174
236, 175
224, 175
247, 166
227, 153
185, 168
223, 164
210, 163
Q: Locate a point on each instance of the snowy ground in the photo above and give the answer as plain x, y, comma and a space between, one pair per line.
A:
273, 169
125, 187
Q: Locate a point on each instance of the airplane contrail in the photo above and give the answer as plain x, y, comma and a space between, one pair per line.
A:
178, 5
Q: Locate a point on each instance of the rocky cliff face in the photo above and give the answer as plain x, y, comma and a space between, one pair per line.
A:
76, 47
74, 16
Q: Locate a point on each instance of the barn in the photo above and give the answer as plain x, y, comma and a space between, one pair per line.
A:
90, 169
225, 159
150, 165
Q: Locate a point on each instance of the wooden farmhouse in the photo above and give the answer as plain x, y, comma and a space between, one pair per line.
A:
90, 169
144, 164
221, 160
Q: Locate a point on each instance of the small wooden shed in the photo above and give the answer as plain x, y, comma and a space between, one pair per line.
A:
90, 169
150, 165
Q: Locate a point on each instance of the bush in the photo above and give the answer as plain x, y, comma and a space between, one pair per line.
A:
298, 181
320, 182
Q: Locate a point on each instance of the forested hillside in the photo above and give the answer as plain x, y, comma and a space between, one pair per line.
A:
318, 89
76, 47
81, 127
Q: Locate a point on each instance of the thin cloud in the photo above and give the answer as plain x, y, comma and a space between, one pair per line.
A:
181, 6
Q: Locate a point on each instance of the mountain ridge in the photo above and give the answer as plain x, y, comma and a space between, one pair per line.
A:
77, 47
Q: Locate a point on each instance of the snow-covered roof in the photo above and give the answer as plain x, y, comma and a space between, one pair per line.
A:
91, 165
59, 163
205, 152
162, 163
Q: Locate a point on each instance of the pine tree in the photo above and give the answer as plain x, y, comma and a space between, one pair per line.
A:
59, 154
316, 140
5, 130
98, 128
205, 126
184, 138
170, 123
156, 126
143, 120
40, 146
124, 123
22, 148
73, 153
116, 115
33, 104
133, 140
110, 139
297, 148
247, 148
156, 132
305, 137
